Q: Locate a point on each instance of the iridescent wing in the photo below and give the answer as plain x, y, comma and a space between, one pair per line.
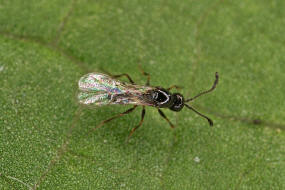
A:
100, 89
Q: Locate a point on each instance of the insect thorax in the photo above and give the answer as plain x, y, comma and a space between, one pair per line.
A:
164, 99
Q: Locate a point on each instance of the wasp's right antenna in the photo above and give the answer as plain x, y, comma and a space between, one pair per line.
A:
207, 91
202, 115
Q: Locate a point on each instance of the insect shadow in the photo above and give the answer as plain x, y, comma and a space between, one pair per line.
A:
99, 89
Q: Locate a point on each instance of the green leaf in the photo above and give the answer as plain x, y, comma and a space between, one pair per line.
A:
48, 141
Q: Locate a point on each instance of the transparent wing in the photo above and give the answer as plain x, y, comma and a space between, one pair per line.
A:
97, 89
101, 89
101, 83
93, 98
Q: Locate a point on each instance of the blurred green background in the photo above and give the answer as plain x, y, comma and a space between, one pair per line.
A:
46, 143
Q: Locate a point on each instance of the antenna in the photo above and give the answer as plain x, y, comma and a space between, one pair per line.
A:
202, 115
207, 91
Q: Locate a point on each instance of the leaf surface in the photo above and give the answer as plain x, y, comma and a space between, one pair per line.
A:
48, 141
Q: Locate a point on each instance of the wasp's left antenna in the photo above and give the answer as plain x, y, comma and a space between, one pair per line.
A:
207, 91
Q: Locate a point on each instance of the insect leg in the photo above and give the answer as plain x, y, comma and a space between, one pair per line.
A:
164, 116
116, 116
135, 128
118, 76
126, 75
145, 74
175, 86
121, 75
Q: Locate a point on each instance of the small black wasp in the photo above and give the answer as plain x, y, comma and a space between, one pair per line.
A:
102, 89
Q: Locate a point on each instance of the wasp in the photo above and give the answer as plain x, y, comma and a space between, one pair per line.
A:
104, 89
